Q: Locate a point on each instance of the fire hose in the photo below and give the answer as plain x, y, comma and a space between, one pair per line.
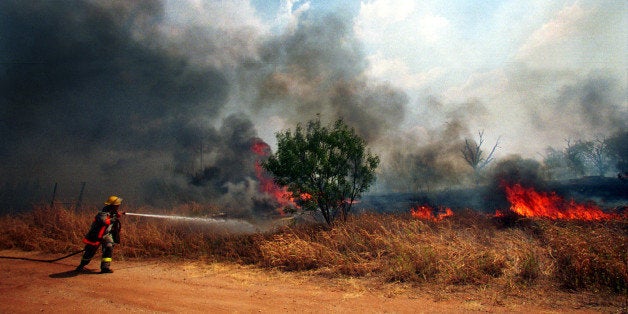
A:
43, 260
130, 214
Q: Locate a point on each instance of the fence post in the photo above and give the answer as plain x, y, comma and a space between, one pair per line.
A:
80, 198
54, 196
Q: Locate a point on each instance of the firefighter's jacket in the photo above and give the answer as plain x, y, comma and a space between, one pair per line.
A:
105, 224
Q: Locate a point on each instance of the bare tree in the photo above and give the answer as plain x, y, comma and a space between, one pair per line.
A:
473, 153
599, 156
554, 163
596, 154
575, 157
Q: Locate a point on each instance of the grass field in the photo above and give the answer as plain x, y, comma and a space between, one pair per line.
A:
468, 248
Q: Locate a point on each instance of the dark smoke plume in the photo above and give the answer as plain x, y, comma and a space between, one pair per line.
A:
89, 93
106, 93
113, 94
509, 171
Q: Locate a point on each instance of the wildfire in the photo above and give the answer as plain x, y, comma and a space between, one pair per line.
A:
427, 213
528, 202
266, 184
260, 148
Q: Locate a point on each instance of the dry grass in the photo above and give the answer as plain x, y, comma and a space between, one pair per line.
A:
467, 249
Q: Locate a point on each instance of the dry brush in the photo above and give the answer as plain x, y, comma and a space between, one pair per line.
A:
467, 249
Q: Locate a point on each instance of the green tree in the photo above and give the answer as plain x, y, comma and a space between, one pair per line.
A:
325, 168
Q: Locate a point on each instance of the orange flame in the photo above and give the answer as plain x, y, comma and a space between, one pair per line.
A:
528, 202
260, 148
266, 184
425, 212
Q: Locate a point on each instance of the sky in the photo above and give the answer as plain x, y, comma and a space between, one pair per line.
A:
515, 59
163, 99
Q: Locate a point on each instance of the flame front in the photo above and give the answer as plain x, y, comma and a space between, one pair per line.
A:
528, 202
266, 184
425, 212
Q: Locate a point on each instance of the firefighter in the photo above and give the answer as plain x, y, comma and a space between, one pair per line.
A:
105, 231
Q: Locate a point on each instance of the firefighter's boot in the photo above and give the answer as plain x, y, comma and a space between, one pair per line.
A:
105, 266
81, 266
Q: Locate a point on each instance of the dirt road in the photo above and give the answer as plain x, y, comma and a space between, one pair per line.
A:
187, 287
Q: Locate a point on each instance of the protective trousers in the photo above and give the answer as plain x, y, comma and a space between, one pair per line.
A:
107, 253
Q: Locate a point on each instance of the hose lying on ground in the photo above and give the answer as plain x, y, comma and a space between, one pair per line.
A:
43, 260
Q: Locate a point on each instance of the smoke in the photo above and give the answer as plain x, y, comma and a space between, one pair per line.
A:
85, 99
117, 95
431, 158
595, 103
506, 172
555, 105
565, 104
319, 70
162, 106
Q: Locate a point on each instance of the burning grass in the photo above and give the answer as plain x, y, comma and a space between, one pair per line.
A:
528, 202
467, 248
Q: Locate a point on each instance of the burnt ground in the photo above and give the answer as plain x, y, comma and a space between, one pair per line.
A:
610, 193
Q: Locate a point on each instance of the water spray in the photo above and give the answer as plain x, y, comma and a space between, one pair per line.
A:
230, 224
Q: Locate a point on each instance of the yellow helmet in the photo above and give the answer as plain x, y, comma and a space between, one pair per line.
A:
113, 200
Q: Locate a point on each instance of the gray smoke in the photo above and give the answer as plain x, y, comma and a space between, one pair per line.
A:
98, 92
595, 102
319, 69
555, 105
434, 160
506, 172
116, 95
